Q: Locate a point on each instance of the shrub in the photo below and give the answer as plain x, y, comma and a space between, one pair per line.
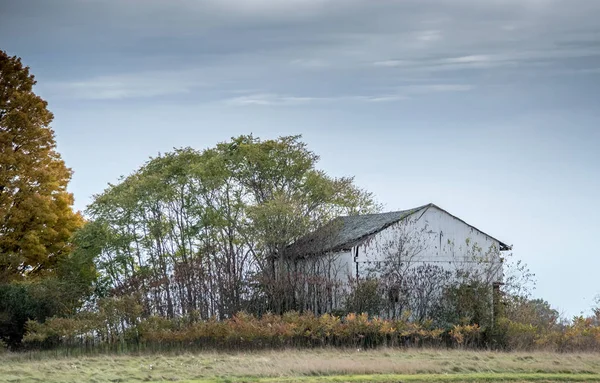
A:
294, 329
466, 335
365, 297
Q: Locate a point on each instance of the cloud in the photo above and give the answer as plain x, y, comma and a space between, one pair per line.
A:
429, 36
144, 49
129, 85
509, 59
388, 98
400, 94
270, 99
436, 88
469, 59
392, 63
310, 63
266, 8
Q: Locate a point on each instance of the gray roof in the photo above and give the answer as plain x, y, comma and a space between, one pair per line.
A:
346, 232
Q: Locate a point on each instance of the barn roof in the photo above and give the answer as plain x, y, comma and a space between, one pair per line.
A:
345, 232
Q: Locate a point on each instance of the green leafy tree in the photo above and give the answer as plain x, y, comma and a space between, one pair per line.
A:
196, 231
287, 198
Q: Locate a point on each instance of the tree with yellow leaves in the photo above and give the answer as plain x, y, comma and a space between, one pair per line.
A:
36, 215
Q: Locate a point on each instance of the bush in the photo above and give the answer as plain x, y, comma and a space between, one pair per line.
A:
243, 330
20, 302
518, 336
365, 297
118, 324
466, 335
466, 304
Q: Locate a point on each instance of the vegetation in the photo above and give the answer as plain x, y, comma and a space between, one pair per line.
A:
192, 252
198, 231
116, 325
37, 260
36, 219
322, 365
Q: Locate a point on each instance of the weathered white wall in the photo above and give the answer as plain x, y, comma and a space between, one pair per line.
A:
322, 282
345, 265
433, 236
337, 266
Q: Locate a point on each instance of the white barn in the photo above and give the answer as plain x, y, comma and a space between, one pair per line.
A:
354, 247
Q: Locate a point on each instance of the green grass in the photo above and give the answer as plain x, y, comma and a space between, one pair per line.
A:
425, 378
306, 366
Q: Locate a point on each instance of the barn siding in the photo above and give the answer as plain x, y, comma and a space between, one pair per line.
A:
446, 241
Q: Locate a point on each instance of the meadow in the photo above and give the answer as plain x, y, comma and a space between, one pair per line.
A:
315, 365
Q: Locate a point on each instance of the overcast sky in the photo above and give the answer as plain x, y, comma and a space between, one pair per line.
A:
489, 109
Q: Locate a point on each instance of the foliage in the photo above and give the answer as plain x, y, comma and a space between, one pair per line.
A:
518, 335
116, 322
20, 302
466, 304
241, 330
198, 231
42, 271
519, 281
466, 335
365, 297
596, 306
36, 216
59, 294
527, 324
193, 250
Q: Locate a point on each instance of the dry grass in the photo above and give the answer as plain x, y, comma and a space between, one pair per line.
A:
301, 365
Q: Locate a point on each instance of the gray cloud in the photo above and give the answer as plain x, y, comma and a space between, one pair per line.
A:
145, 84
323, 49
400, 94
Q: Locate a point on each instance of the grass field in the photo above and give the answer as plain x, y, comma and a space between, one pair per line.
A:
305, 366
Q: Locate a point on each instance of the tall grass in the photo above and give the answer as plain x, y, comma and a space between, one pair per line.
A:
306, 364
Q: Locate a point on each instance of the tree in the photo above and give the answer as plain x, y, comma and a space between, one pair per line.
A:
289, 197
36, 216
196, 231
